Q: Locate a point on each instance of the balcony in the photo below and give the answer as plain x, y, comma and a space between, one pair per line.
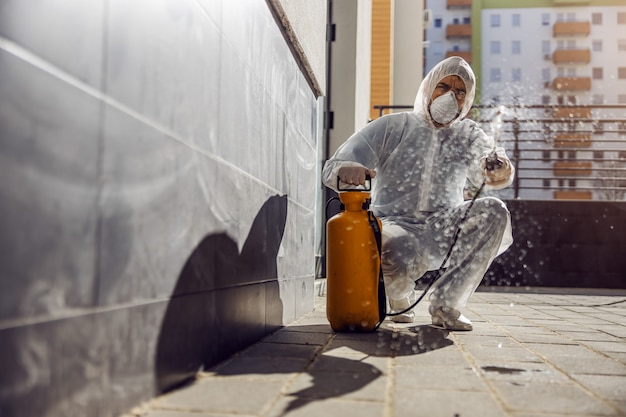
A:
466, 55
571, 29
572, 168
451, 4
571, 113
571, 56
572, 140
572, 195
459, 31
571, 83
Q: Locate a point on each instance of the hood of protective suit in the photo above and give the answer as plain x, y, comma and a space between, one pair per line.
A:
449, 66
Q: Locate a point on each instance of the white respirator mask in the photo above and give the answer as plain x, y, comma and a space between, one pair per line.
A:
444, 108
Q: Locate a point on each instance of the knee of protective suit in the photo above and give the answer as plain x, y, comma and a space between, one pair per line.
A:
401, 258
494, 211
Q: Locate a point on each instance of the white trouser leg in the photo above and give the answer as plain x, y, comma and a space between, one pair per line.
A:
485, 234
401, 261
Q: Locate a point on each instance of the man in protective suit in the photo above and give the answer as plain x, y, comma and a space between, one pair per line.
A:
421, 161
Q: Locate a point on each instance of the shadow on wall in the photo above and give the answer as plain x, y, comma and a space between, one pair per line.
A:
223, 300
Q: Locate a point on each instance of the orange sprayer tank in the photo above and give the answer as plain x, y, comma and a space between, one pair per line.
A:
352, 268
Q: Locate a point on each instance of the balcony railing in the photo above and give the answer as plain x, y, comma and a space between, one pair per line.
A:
463, 30
450, 4
572, 84
559, 152
571, 56
571, 29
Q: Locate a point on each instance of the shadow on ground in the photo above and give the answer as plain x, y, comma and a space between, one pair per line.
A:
337, 363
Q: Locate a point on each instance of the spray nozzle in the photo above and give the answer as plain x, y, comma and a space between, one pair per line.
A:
493, 162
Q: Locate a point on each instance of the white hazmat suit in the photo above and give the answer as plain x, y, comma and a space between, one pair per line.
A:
421, 169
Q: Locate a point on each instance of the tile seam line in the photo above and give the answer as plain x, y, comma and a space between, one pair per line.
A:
31, 58
545, 360
283, 392
492, 391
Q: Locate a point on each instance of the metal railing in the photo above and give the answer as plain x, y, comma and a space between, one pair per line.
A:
566, 157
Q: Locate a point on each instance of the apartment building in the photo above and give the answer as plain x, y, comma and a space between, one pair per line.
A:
552, 76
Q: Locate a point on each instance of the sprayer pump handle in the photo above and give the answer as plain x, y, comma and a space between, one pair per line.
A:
366, 187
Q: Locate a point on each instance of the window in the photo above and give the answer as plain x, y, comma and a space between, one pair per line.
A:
494, 75
545, 47
561, 183
438, 22
622, 155
456, 21
516, 74
545, 100
560, 72
597, 99
516, 47
621, 73
545, 156
570, 17
571, 44
621, 18
560, 17
495, 20
495, 47
596, 18
621, 44
571, 183
572, 100
545, 19
571, 72
598, 155
596, 45
559, 100
516, 19
546, 183
597, 73
467, 20
571, 155
545, 74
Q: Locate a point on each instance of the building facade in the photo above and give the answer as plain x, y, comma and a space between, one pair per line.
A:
551, 79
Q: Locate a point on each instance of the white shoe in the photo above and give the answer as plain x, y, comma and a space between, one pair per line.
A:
449, 318
399, 305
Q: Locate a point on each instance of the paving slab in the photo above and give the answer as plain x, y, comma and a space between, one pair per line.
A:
532, 353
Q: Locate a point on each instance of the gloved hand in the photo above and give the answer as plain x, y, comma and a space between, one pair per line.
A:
355, 174
502, 172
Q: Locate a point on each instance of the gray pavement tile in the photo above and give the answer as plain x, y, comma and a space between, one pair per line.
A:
503, 351
222, 395
336, 362
295, 407
298, 337
280, 350
552, 398
448, 356
607, 386
166, 413
277, 369
433, 403
552, 338
606, 347
364, 385
499, 372
598, 364
592, 335
438, 377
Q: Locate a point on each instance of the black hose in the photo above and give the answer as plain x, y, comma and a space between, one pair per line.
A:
440, 270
